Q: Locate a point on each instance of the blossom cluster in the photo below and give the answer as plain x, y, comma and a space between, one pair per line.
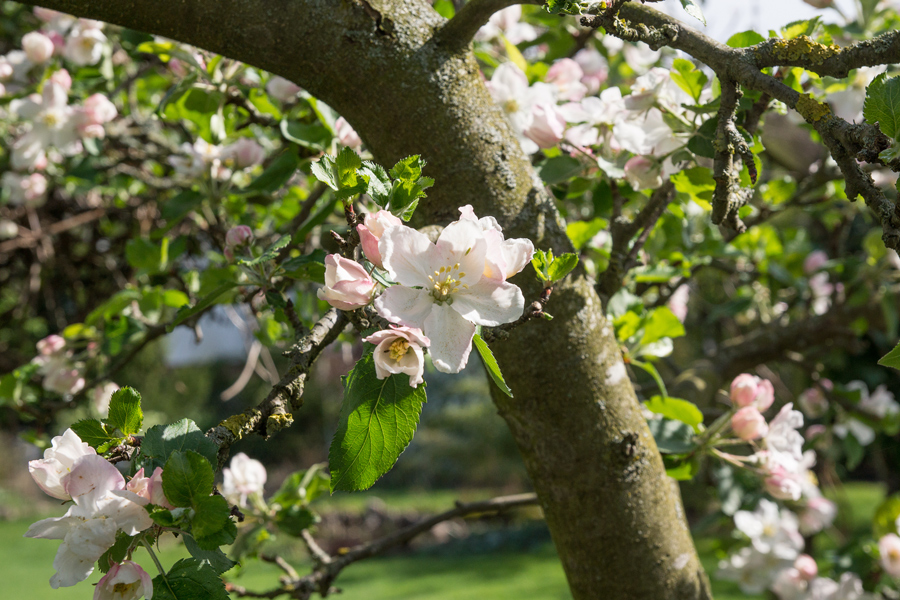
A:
443, 290
103, 505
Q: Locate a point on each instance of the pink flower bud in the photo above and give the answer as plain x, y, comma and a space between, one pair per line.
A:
371, 231
749, 424
99, 110
548, 125
399, 350
38, 47
245, 153
818, 514
783, 485
566, 75
889, 549
815, 260
347, 285
806, 566
282, 89
62, 78
748, 389
238, 236
52, 344
814, 431
125, 581
812, 402
595, 68
346, 135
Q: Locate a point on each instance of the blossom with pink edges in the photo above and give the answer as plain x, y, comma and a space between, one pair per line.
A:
400, 350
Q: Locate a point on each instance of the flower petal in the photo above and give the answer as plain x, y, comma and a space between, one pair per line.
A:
451, 338
461, 242
406, 306
517, 254
55, 528
490, 303
405, 254
92, 478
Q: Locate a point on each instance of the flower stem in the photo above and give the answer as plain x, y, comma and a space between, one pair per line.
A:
158, 564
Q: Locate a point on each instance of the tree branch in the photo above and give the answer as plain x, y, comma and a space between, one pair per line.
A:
461, 29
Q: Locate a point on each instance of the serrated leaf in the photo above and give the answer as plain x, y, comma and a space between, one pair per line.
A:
490, 364
346, 163
125, 411
323, 170
378, 420
161, 441
189, 579
93, 433
223, 537
211, 514
315, 136
378, 182
661, 323
692, 8
216, 559
688, 77
562, 265
409, 168
270, 253
891, 359
187, 479
672, 437
882, 104
677, 409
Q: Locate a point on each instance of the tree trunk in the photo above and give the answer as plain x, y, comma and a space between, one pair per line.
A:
616, 519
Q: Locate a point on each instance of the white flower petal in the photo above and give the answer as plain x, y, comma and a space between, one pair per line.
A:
405, 253
489, 303
55, 528
406, 306
451, 338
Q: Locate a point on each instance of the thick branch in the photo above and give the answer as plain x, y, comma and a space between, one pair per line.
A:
828, 60
461, 29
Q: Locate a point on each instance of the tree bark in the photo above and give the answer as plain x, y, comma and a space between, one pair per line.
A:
615, 517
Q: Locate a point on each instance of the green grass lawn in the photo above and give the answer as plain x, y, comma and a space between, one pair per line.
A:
533, 572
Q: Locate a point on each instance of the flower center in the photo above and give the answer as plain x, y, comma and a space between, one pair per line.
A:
125, 590
894, 555
770, 530
511, 106
399, 349
446, 282
51, 118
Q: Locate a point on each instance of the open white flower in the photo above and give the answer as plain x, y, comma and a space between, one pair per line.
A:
443, 289
399, 350
85, 45
244, 477
102, 508
53, 125
771, 530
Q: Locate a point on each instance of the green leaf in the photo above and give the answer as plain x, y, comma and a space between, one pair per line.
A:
661, 323
409, 168
223, 537
581, 232
882, 104
211, 515
188, 479
379, 182
116, 553
93, 433
302, 487
696, 183
315, 136
891, 359
270, 253
294, 519
692, 8
307, 267
672, 437
162, 440
559, 169
189, 579
125, 411
677, 409
186, 312
276, 175
216, 559
490, 363
562, 265
378, 420
346, 164
541, 263
688, 77
885, 519
144, 255
681, 468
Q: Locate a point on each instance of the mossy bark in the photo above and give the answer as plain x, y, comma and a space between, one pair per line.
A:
616, 519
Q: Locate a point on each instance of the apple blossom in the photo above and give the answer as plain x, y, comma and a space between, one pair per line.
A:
102, 507
749, 390
244, 477
124, 581
566, 75
506, 23
245, 153
783, 484
504, 257
443, 290
346, 135
38, 47
548, 125
58, 461
643, 173
96, 111
812, 402
85, 45
594, 67
749, 424
50, 345
53, 125
149, 488
509, 88
65, 381
753, 570
347, 284
8, 229
889, 550
879, 403
821, 289
282, 89
771, 530
101, 396
63, 79
864, 434
678, 302
814, 261
818, 514
371, 230
399, 350
30, 190
201, 158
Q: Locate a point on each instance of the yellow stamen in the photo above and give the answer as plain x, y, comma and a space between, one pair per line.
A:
399, 349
